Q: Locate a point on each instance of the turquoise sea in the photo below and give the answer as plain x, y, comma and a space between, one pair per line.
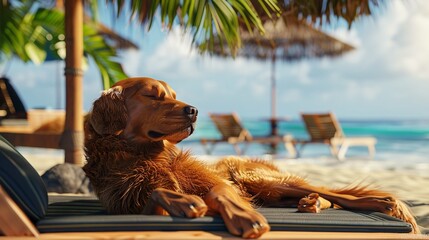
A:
406, 140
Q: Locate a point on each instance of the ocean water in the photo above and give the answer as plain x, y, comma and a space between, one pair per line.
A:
398, 140
403, 144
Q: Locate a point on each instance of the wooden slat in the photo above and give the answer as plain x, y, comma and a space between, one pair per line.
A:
44, 130
325, 128
321, 126
13, 221
227, 124
233, 132
223, 235
35, 139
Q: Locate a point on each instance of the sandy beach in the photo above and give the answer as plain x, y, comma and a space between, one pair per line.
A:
409, 181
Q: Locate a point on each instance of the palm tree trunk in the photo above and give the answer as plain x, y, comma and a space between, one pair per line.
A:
72, 138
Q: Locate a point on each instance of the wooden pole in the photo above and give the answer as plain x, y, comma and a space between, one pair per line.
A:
273, 85
273, 119
72, 138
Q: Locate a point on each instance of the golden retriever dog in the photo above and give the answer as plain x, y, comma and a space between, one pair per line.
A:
135, 167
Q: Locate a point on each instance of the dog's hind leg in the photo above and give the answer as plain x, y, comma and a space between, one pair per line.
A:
272, 188
279, 190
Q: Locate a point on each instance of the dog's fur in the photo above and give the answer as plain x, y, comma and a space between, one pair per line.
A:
135, 167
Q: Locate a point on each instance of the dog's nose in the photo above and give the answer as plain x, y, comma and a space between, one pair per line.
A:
191, 111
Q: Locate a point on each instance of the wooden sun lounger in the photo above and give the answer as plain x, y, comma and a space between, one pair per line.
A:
14, 224
234, 133
28, 212
324, 128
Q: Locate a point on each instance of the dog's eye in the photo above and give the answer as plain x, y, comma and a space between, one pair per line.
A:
149, 96
161, 97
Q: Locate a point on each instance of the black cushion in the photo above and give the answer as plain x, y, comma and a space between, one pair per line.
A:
85, 213
22, 182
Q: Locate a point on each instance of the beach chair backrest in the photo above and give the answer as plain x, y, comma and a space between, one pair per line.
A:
322, 126
11, 105
22, 182
229, 126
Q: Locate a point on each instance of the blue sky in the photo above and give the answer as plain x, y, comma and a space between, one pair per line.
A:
386, 77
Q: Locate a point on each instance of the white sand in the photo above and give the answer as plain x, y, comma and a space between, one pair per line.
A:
408, 180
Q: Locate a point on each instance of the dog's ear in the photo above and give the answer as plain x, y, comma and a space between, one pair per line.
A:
109, 113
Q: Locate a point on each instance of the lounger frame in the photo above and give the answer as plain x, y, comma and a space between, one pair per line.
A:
233, 132
324, 128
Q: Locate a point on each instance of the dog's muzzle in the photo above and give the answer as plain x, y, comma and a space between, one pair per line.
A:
176, 136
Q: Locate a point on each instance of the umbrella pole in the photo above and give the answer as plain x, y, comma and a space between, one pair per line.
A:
273, 120
72, 138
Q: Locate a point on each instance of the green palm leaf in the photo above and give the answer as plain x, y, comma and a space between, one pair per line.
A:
13, 31
204, 19
103, 55
39, 36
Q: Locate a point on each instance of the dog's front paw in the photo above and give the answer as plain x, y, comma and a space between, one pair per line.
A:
247, 223
178, 204
240, 218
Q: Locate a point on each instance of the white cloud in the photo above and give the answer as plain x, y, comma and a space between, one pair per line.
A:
300, 72
355, 90
132, 61
411, 47
174, 55
349, 36
290, 96
210, 86
394, 43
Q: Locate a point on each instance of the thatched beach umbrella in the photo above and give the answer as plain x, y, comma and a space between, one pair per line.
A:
287, 39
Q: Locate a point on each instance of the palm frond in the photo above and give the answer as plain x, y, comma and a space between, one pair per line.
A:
323, 12
38, 36
13, 31
104, 56
204, 19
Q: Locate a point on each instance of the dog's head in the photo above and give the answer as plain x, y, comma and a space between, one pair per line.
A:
142, 110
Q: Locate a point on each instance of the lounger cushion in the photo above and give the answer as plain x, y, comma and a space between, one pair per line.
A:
71, 214
279, 219
22, 182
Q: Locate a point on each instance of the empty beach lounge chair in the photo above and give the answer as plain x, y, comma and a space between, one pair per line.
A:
324, 128
29, 128
233, 132
28, 210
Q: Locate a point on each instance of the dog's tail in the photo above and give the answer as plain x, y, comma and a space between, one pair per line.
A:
404, 213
